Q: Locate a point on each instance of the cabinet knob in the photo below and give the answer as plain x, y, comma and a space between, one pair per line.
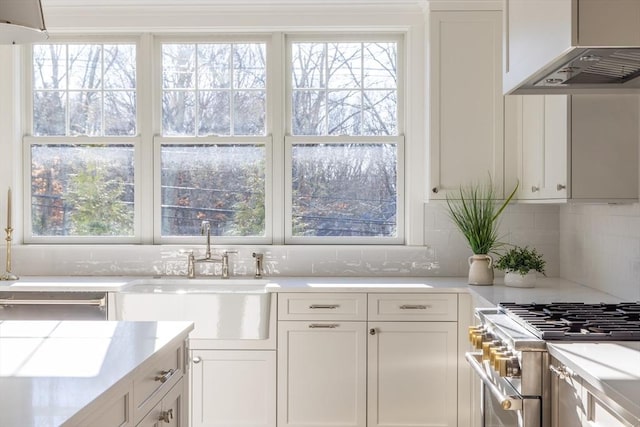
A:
560, 187
534, 189
196, 359
434, 190
372, 331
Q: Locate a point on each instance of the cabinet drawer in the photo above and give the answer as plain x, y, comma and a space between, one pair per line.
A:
413, 307
157, 377
323, 306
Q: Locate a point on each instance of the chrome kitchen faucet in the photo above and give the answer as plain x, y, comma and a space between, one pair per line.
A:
205, 229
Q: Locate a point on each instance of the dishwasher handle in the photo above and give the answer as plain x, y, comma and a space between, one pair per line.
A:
99, 302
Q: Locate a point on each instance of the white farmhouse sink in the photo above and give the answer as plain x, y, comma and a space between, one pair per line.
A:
195, 286
230, 309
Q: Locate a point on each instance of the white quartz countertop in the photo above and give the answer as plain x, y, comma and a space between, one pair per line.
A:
50, 370
610, 367
546, 290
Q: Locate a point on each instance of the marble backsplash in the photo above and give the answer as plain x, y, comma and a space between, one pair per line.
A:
600, 247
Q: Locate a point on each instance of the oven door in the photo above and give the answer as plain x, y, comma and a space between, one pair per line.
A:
500, 404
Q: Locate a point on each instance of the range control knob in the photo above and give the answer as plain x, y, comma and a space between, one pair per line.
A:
475, 331
508, 366
496, 352
487, 347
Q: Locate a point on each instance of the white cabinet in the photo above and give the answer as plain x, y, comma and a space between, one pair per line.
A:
579, 147
412, 374
576, 403
392, 365
466, 102
233, 388
322, 374
543, 148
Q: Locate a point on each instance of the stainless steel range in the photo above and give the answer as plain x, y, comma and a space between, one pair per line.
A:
511, 358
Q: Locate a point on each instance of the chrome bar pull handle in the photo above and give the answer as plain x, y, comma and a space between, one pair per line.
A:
164, 375
323, 325
324, 306
414, 307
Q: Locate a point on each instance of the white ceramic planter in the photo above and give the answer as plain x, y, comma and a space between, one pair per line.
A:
480, 270
517, 280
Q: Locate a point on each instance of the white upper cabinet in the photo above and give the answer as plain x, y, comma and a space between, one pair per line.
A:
579, 147
466, 102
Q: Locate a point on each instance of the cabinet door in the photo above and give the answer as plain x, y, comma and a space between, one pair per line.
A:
233, 388
543, 147
412, 374
566, 399
466, 119
321, 374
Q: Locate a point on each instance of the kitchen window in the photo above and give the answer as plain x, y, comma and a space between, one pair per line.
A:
214, 152
344, 149
271, 138
80, 158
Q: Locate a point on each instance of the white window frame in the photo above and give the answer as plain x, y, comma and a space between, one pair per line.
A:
398, 140
135, 141
159, 139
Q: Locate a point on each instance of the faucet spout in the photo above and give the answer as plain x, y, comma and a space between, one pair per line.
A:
205, 229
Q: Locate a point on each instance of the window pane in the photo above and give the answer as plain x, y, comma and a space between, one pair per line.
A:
85, 66
120, 66
249, 110
361, 90
214, 107
214, 66
82, 190
380, 113
345, 65
178, 66
308, 113
380, 65
223, 184
345, 112
178, 113
308, 65
49, 112
344, 190
49, 66
249, 66
120, 113
85, 113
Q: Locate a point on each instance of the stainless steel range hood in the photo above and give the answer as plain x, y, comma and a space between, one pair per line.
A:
21, 21
571, 46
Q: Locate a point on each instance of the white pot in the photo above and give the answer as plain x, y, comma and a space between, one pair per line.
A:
517, 280
480, 270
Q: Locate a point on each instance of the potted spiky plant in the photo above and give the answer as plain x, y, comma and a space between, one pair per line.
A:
521, 266
475, 211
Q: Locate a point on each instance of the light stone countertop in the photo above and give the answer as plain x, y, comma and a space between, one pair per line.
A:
51, 370
546, 290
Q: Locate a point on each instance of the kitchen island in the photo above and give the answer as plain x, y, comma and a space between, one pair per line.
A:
83, 373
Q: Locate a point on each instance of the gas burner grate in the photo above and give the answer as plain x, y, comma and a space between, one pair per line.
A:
578, 321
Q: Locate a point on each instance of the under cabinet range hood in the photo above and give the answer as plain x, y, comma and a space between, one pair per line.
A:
21, 21
571, 46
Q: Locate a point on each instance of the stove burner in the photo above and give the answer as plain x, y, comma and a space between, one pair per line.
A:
578, 321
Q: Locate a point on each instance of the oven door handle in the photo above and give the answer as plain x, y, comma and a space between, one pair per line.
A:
508, 403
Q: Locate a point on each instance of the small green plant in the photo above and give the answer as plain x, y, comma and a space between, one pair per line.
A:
475, 210
521, 260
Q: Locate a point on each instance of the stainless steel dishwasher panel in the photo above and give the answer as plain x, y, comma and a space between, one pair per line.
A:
53, 306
